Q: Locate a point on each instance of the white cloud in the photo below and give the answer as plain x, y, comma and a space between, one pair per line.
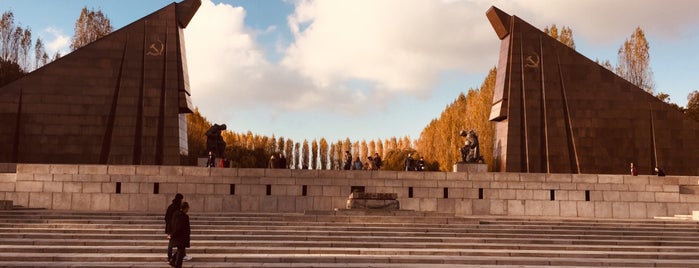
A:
349, 55
56, 41
402, 46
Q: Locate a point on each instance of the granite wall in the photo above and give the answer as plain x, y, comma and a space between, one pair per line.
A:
151, 188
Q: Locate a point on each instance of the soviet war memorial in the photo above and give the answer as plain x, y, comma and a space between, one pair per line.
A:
103, 164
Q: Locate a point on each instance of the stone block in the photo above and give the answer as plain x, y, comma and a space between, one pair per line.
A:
249, 203
532, 177
497, 207
677, 209
610, 178
505, 176
524, 194
92, 187
286, 204
628, 196
541, 195
170, 171
90, 177
671, 188
435, 175
63, 177
251, 172
196, 171
480, 207
29, 186
212, 203
516, 185
312, 173
322, 203
100, 202
636, 180
611, 196
568, 208
558, 178
498, 185
231, 204
8, 177
18, 198
533, 185
118, 202
619, 187
550, 186
603, 187
138, 202
603, 209
656, 210
620, 210
584, 178
7, 186
304, 204
224, 172
533, 207
40, 200
277, 173
43, 177
81, 201
646, 196
61, 201
637, 210
33, 169
515, 207
147, 170
337, 174
585, 186
561, 195
384, 174
586, 209
121, 170
92, 169
596, 196
457, 176
158, 202
190, 188
63, 169
205, 189
428, 204
550, 208
667, 197
461, 207
470, 167
168, 188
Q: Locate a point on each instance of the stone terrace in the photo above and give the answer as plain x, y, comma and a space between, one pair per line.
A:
46, 238
150, 188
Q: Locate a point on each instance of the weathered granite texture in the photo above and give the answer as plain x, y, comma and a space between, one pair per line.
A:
118, 100
556, 111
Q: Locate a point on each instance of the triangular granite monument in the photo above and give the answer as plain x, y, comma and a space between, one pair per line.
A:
119, 100
556, 111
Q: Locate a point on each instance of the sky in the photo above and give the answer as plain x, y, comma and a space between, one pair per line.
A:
368, 69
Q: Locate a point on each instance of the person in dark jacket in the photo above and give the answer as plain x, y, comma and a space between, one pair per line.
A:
180, 234
175, 206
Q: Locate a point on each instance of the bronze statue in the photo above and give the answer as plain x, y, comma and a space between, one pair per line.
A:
214, 140
471, 152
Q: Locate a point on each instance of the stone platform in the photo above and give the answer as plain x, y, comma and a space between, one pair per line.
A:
151, 188
470, 167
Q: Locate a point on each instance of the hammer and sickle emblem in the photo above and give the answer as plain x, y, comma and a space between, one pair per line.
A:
532, 61
156, 49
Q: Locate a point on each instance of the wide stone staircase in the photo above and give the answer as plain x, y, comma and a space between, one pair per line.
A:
46, 238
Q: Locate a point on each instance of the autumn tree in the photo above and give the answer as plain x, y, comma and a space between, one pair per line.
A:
90, 26
565, 35
314, 154
634, 61
289, 152
297, 155
693, 105
323, 153
440, 141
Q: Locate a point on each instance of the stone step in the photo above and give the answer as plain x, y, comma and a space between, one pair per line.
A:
75, 239
318, 260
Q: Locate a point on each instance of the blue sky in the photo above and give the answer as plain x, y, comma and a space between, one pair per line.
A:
368, 69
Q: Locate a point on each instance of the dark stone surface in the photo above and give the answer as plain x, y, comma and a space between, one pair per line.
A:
556, 111
119, 100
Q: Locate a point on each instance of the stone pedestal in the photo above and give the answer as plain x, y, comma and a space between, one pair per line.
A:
383, 201
470, 167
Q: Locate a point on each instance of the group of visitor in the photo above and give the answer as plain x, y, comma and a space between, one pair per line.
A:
178, 231
372, 163
412, 165
277, 161
657, 170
